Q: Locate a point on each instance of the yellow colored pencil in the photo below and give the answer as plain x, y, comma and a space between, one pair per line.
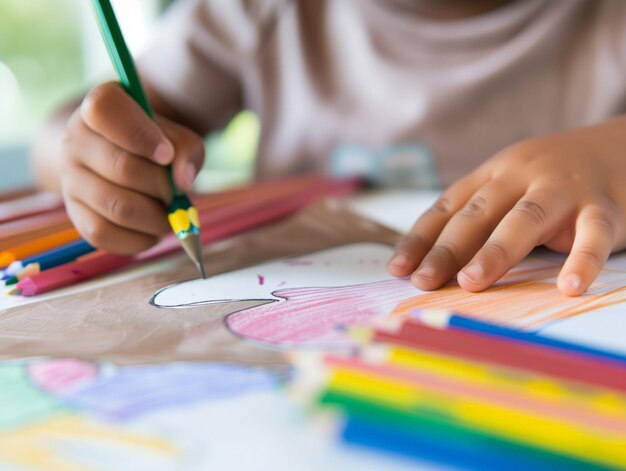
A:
596, 400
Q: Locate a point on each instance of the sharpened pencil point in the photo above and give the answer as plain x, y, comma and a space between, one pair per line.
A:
15, 292
201, 270
191, 244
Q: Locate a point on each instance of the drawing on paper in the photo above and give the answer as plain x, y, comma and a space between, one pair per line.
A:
307, 301
62, 414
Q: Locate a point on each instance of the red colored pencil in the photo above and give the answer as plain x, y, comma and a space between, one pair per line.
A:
31, 205
239, 218
537, 358
262, 190
17, 193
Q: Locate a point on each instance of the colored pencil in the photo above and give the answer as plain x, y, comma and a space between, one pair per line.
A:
70, 273
53, 257
18, 193
223, 202
376, 427
33, 224
516, 426
30, 205
457, 321
30, 270
247, 217
423, 410
296, 199
31, 235
182, 215
36, 246
267, 189
537, 358
432, 437
445, 384
579, 401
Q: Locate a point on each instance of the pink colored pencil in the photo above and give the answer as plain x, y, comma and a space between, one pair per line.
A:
30, 205
70, 273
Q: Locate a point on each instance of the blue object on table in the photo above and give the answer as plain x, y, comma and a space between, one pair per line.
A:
449, 450
52, 258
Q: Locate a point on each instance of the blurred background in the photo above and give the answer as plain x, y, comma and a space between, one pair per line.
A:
51, 51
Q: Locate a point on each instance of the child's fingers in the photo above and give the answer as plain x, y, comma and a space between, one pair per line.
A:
465, 233
109, 111
105, 235
118, 205
521, 230
596, 235
414, 245
189, 153
117, 165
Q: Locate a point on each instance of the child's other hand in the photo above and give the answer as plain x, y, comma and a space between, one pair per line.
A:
114, 182
565, 191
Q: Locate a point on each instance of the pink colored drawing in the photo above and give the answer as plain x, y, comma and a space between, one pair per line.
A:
62, 375
261, 279
315, 316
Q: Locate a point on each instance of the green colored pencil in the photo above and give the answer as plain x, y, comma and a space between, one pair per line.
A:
182, 215
438, 426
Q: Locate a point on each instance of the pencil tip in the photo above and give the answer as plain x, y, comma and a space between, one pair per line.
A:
15, 292
201, 269
191, 244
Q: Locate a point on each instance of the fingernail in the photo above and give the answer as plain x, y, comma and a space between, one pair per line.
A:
474, 273
190, 174
425, 271
573, 282
163, 153
398, 261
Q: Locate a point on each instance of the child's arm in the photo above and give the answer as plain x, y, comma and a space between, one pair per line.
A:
107, 157
566, 191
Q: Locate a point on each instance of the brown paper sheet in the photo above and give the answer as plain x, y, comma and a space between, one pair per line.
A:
116, 323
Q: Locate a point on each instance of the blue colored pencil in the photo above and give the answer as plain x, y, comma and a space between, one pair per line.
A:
52, 258
449, 450
457, 321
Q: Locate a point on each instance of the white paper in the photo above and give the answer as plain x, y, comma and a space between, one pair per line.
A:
307, 301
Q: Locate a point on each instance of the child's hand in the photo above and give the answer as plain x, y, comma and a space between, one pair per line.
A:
114, 182
566, 191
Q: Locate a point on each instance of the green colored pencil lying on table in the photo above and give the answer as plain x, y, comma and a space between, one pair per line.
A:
182, 215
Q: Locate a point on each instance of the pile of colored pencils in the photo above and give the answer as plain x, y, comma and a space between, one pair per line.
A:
40, 250
469, 394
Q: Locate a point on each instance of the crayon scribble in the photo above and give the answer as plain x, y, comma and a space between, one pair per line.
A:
138, 390
314, 315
